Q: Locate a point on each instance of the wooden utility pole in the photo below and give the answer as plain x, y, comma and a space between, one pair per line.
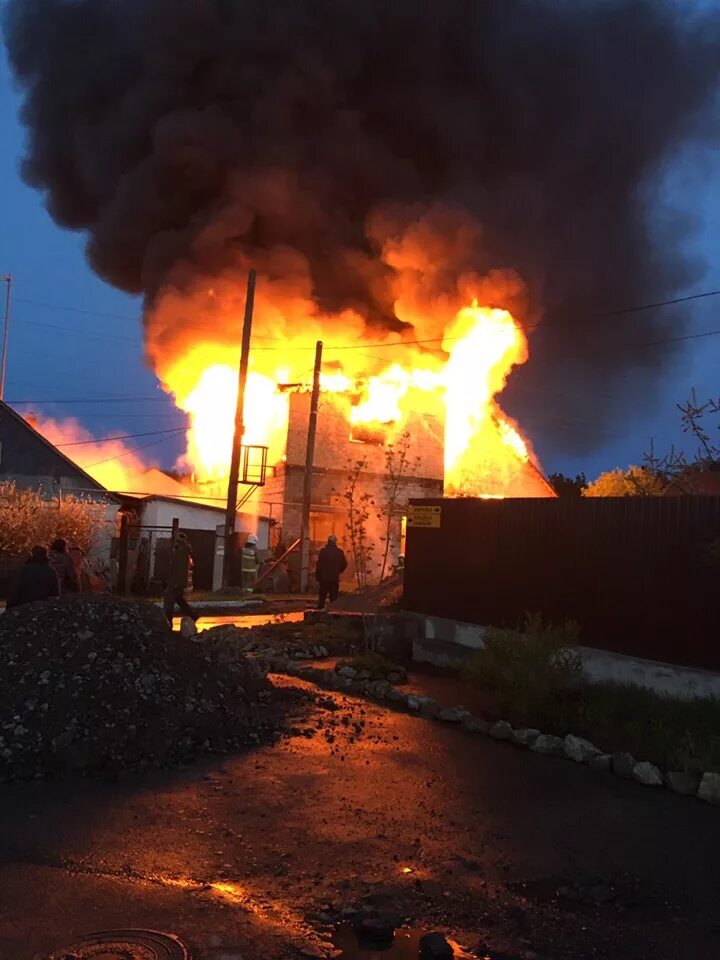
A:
309, 461
6, 332
232, 497
123, 552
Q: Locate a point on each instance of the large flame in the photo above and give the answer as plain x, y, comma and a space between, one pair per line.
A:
485, 453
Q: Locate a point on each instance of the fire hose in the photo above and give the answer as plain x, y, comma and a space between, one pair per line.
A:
277, 563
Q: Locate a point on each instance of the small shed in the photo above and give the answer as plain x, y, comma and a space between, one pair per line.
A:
204, 523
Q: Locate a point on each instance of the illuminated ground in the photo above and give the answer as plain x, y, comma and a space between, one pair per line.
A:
457, 833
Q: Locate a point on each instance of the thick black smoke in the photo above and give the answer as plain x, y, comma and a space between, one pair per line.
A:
190, 136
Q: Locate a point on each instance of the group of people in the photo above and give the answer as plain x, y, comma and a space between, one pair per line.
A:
48, 574
60, 571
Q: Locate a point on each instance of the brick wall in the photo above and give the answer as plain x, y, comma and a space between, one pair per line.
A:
334, 451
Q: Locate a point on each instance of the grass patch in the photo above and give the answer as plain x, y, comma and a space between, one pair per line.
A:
374, 663
532, 679
339, 638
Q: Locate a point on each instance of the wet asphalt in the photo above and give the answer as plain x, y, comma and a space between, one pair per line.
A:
260, 854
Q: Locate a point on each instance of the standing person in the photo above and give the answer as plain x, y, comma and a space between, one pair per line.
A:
62, 564
331, 562
36, 581
179, 566
249, 563
77, 555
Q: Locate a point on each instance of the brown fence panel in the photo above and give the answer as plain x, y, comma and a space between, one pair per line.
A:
641, 575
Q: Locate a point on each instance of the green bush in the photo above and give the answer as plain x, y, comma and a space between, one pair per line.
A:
522, 668
374, 663
533, 678
672, 732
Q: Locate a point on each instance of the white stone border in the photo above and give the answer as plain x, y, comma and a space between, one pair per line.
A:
572, 748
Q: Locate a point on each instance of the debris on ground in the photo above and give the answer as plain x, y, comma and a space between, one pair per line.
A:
371, 666
94, 683
385, 596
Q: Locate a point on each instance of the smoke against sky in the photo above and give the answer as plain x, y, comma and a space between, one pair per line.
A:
325, 142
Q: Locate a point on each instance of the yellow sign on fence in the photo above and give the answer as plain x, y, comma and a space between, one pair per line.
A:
423, 516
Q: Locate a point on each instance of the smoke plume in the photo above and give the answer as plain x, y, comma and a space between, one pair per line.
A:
376, 161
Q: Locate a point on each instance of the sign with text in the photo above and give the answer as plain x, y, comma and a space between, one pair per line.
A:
424, 516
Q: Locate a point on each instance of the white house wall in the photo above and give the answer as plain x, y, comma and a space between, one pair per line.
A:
159, 513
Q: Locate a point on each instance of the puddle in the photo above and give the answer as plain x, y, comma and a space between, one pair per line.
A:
249, 620
405, 945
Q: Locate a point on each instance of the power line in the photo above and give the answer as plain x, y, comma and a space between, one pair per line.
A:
596, 316
401, 343
113, 316
97, 400
87, 313
660, 303
87, 333
144, 446
164, 417
127, 436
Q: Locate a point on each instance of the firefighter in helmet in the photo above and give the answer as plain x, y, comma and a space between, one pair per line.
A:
249, 563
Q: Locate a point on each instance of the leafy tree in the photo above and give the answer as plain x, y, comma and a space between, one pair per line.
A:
566, 487
26, 519
633, 482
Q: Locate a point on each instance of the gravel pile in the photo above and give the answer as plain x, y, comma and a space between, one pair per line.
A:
96, 684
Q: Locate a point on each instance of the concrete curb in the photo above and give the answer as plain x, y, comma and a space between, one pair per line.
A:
570, 748
230, 605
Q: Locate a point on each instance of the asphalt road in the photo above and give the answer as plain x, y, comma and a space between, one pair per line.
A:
256, 855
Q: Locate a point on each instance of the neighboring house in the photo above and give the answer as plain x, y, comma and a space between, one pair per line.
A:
33, 463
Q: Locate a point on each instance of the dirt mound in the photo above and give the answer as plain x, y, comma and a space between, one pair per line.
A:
101, 684
386, 596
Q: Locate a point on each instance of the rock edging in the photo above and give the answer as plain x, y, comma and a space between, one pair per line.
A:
570, 747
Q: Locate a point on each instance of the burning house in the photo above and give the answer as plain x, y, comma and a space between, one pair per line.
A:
438, 407
343, 448
351, 453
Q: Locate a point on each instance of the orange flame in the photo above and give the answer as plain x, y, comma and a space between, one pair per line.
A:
484, 451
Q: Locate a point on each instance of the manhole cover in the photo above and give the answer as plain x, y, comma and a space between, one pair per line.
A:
125, 945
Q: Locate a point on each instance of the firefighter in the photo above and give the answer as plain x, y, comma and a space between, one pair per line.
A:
249, 563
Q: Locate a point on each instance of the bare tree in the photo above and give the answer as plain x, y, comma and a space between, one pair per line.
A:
400, 469
692, 415
673, 467
359, 506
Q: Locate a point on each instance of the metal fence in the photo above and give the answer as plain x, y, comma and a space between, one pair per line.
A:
640, 575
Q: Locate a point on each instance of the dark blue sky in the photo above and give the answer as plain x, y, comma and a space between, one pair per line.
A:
73, 336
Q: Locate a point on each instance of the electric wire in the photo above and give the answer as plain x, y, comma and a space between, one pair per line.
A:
623, 311
126, 436
127, 453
